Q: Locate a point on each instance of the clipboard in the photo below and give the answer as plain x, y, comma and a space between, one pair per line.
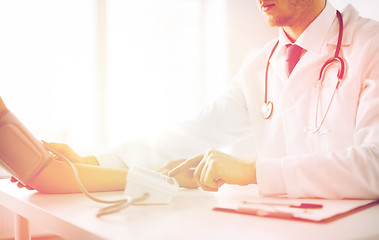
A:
311, 210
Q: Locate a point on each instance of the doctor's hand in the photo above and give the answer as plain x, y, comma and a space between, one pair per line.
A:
70, 154
184, 178
215, 168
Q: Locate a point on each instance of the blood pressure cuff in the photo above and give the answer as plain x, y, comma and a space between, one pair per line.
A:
21, 154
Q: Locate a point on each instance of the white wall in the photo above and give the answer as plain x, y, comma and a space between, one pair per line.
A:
247, 29
366, 8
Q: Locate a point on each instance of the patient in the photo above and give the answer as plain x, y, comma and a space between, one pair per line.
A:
58, 177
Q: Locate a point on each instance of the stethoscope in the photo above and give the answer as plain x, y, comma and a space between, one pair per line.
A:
267, 107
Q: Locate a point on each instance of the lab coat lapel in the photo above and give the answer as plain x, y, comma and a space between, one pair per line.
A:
304, 78
302, 72
350, 18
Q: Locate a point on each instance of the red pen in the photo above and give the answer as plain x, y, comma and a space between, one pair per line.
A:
302, 205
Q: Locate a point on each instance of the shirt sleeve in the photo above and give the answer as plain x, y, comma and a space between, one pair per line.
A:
221, 123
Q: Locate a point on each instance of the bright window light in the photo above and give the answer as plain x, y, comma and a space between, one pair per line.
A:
154, 64
47, 67
94, 74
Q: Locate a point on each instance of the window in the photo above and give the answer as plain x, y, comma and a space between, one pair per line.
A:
94, 74
155, 64
47, 67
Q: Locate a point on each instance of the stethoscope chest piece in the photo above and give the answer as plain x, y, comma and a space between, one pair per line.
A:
266, 109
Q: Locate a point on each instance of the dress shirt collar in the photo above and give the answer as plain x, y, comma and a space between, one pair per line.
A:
314, 36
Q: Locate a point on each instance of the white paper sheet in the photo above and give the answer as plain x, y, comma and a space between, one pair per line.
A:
276, 207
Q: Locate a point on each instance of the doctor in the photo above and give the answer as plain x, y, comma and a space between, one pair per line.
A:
316, 143
319, 140
318, 134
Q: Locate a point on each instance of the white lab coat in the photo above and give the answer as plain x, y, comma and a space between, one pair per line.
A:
343, 163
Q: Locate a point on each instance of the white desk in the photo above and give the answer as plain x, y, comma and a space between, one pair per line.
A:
189, 216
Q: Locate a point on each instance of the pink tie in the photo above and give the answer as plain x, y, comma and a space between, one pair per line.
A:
292, 57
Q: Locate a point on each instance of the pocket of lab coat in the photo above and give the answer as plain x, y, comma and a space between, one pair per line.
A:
325, 100
333, 114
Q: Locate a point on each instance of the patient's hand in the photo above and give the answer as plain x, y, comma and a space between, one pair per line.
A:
20, 185
66, 151
185, 179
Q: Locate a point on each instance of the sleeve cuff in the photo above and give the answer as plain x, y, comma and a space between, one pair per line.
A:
270, 176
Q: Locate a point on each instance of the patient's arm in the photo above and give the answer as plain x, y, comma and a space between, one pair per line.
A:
58, 177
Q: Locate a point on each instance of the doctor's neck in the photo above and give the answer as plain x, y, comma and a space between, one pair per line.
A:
296, 25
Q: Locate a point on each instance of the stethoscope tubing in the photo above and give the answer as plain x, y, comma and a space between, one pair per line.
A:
336, 59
